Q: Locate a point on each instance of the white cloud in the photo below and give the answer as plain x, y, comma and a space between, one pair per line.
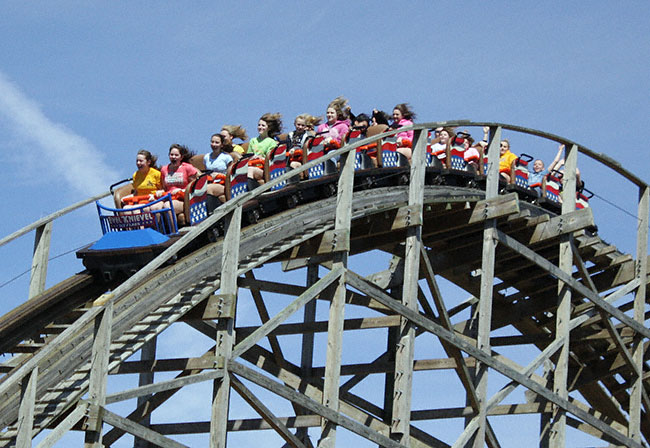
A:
64, 154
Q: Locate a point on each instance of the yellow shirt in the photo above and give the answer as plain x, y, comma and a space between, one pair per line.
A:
147, 183
505, 162
238, 149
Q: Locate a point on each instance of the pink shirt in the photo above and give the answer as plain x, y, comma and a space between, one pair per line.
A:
179, 178
337, 131
406, 134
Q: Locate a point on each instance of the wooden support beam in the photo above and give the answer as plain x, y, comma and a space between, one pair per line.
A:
315, 407
337, 307
280, 317
26, 410
98, 376
638, 389
307, 346
462, 367
161, 386
147, 353
39, 259
497, 207
64, 426
225, 331
140, 431
562, 225
404, 355
266, 414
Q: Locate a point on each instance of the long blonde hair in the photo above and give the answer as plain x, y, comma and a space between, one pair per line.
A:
235, 131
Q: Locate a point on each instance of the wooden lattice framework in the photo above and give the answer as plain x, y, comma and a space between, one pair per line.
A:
583, 312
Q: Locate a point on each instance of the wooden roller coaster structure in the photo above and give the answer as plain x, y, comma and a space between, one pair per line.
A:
580, 309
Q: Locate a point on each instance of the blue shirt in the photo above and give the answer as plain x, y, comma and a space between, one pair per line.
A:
218, 165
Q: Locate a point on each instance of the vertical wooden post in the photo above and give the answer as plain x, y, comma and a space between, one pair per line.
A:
337, 307
226, 330
487, 284
545, 417
98, 376
39, 259
307, 349
400, 427
147, 353
26, 410
634, 431
563, 313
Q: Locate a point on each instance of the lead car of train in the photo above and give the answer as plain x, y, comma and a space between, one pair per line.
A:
133, 237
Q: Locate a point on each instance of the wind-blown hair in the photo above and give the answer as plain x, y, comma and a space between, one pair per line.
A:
153, 160
274, 122
310, 121
236, 131
340, 105
186, 154
406, 111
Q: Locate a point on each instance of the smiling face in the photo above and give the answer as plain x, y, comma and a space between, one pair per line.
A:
444, 136
504, 147
300, 124
262, 128
538, 165
331, 115
216, 143
397, 115
142, 163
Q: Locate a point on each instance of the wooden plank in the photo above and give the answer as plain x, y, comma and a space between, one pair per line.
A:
162, 386
317, 408
637, 392
290, 375
40, 259
274, 322
147, 354
225, 331
98, 376
140, 431
497, 207
337, 306
557, 437
64, 426
562, 225
405, 351
266, 413
26, 411
462, 365
166, 365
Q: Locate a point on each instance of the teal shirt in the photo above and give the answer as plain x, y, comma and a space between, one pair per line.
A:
261, 148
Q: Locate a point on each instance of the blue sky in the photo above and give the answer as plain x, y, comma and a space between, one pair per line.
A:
84, 85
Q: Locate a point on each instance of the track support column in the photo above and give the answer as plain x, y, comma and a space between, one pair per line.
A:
26, 411
337, 307
39, 259
487, 285
636, 394
563, 313
402, 393
99, 376
226, 330
147, 353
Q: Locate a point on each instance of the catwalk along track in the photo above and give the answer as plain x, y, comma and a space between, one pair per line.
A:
553, 310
